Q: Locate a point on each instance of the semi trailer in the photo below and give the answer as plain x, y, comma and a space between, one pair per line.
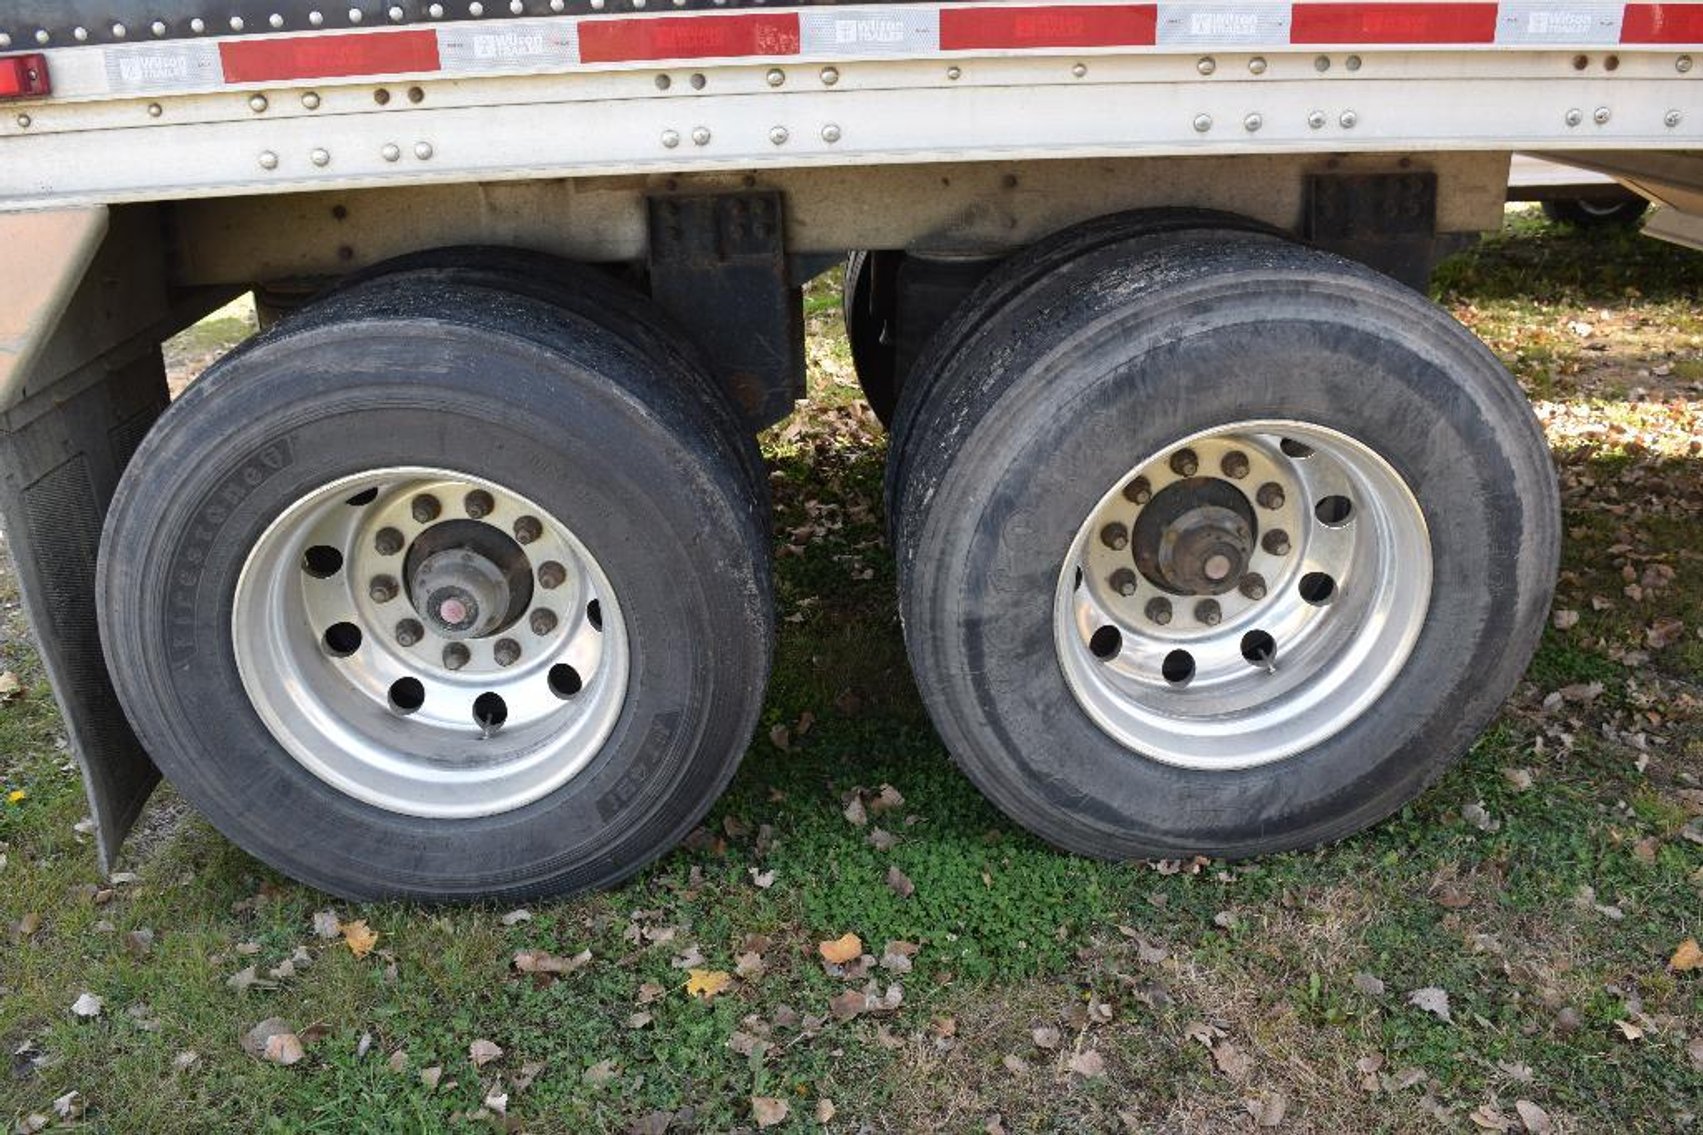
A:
1213, 534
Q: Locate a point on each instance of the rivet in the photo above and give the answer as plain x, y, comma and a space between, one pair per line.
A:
1202, 123
390, 151
355, 15
1601, 116
1673, 118
1316, 120
435, 11
830, 76
1252, 123
1352, 62
158, 27
700, 135
397, 14
830, 133
516, 7
1207, 65
79, 34
663, 82
119, 31
1079, 70
1321, 64
320, 157
697, 80
197, 25
1682, 64
638, 3
1257, 65
597, 5
1348, 119
236, 23
268, 160
5, 40
257, 103
423, 151
155, 110
24, 121
778, 135
558, 5
775, 77
42, 37
276, 20
1575, 116
670, 138
316, 18
310, 99
954, 73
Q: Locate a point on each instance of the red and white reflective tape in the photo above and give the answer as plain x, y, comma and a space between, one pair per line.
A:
822, 32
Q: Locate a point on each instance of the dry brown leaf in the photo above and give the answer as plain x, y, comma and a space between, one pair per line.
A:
430, 1076
1536, 1120
1629, 1030
704, 984
847, 1005
10, 687
87, 1005
1045, 1036
273, 1040
1232, 1061
482, 1052
360, 937
1689, 956
542, 961
825, 1111
1089, 1064
842, 949
1268, 1110
769, 1111
600, 1073
325, 924
900, 883
1432, 1000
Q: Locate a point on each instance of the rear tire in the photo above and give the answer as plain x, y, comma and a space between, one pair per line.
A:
1108, 365
588, 433
869, 302
1589, 213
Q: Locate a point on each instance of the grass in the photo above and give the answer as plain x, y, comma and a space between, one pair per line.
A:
1543, 884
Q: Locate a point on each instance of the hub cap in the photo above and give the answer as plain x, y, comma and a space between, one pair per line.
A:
1243, 595
430, 643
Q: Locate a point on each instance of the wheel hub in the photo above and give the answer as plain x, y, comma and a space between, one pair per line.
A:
1196, 538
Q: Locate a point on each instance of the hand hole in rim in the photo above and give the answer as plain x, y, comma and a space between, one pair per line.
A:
565, 681
1259, 648
1106, 642
1178, 667
364, 497
322, 561
490, 711
594, 615
1317, 588
342, 639
1293, 448
407, 695
1334, 511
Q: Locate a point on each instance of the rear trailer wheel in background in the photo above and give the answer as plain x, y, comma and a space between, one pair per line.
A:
1597, 213
1214, 544
869, 299
443, 592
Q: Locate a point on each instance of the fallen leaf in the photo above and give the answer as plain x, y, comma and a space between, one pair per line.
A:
854, 812
430, 1076
185, 1060
1232, 1061
70, 1105
704, 984
398, 1061
1629, 1030
1566, 620
1535, 1119
542, 961
748, 965
769, 1111
600, 1073
847, 1005
10, 687
273, 1040
842, 949
825, 1111
87, 1005
325, 924
1268, 1110
639, 1020
899, 883
482, 1052
1689, 956
516, 917
1045, 1036
1369, 985
1488, 1118
762, 879
1089, 1064
1014, 1064
497, 1101
360, 937
1520, 779
1432, 1000
139, 943
881, 840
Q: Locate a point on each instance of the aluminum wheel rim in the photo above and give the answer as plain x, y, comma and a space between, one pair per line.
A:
344, 625
1320, 605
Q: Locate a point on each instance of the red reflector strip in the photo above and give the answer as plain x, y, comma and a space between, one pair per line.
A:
24, 77
1393, 23
1063, 25
687, 37
329, 56
1662, 23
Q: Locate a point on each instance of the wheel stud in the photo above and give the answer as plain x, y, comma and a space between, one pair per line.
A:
1253, 586
1270, 495
1138, 491
543, 621
1276, 542
1115, 536
456, 655
425, 508
388, 542
527, 529
409, 632
1207, 612
1123, 582
552, 575
1234, 465
1159, 610
478, 504
1184, 463
383, 588
506, 652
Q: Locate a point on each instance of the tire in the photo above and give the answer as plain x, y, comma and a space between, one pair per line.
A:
1588, 213
868, 300
1011, 279
474, 385
1112, 361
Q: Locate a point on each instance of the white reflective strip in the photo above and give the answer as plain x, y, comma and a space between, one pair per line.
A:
1524, 22
518, 45
859, 32
1215, 25
146, 68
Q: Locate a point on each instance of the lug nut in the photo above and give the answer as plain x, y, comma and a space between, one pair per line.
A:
1253, 586
409, 632
527, 529
1123, 581
1185, 463
1207, 612
1115, 536
1138, 491
1234, 465
425, 508
543, 621
388, 542
383, 588
478, 504
1159, 610
1270, 495
456, 655
506, 652
551, 575
1276, 542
